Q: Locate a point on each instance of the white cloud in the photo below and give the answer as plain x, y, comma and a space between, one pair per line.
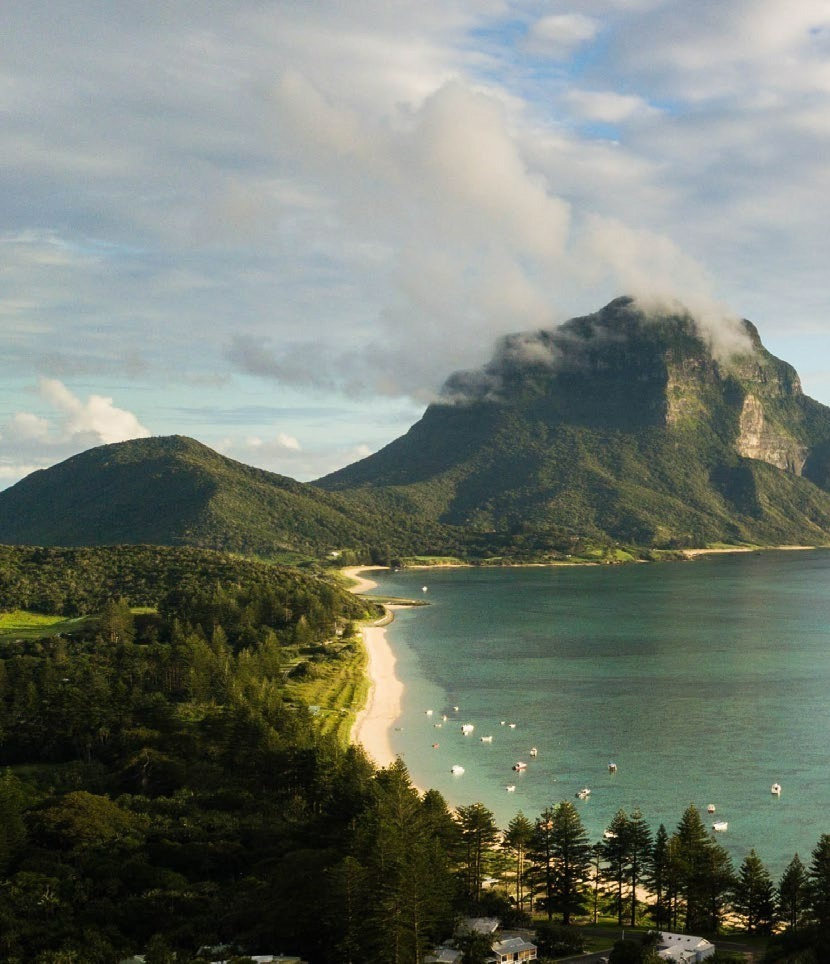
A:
362, 197
284, 455
280, 443
556, 35
71, 425
25, 427
607, 106
97, 416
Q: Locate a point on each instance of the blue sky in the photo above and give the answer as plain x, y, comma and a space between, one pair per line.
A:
278, 227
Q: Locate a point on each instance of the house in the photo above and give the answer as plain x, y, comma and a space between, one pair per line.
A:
684, 949
513, 949
478, 925
444, 955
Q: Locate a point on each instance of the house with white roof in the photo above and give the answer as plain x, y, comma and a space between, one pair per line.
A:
684, 949
513, 949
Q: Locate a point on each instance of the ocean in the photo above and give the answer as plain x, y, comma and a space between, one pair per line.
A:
705, 682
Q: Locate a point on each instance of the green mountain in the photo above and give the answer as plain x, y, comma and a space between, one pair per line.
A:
176, 491
620, 426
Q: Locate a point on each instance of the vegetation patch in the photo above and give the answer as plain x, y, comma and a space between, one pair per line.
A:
21, 624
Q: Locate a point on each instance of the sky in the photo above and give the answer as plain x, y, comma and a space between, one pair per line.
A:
278, 226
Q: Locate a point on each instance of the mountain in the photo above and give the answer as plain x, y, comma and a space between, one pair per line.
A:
623, 425
176, 491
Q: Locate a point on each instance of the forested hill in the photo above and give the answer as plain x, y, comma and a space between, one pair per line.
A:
176, 491
623, 426
79, 581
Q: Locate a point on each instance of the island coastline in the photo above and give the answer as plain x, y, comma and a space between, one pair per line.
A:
373, 724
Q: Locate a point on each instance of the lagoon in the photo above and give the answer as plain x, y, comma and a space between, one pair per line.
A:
704, 681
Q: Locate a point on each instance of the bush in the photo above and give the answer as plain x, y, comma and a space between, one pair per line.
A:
557, 940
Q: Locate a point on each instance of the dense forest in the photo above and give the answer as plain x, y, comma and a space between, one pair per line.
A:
166, 788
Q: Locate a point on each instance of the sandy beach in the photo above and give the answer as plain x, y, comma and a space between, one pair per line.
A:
375, 721
724, 550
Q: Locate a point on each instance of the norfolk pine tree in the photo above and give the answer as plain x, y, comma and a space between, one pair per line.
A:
571, 861
753, 897
793, 894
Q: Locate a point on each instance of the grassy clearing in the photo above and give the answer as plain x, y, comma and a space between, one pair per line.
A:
431, 561
20, 624
338, 686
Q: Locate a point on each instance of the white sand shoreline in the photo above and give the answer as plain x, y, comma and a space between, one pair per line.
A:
374, 722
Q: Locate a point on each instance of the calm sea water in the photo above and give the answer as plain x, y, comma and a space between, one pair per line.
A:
705, 682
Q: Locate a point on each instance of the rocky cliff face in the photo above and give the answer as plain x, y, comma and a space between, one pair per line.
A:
760, 439
624, 423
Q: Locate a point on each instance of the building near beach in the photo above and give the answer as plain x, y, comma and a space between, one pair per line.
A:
684, 949
513, 949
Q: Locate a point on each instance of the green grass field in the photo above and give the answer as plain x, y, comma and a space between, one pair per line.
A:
339, 688
20, 624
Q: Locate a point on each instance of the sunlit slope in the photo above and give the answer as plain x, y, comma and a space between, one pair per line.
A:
621, 426
176, 491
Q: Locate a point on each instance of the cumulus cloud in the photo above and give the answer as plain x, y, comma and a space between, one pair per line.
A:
360, 198
556, 35
73, 424
285, 455
607, 106
97, 416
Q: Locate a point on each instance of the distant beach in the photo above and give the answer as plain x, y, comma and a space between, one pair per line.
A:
383, 706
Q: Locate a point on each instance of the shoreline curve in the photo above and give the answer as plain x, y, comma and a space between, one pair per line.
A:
373, 724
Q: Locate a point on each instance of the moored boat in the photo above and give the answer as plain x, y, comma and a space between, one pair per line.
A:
710, 808
533, 751
584, 793
720, 826
456, 770
519, 766
776, 789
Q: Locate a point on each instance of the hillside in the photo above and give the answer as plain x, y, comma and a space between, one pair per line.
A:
616, 426
176, 491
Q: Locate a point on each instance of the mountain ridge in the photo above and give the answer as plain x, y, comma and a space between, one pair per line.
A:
616, 425
623, 426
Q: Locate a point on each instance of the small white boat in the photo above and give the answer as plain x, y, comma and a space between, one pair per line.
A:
710, 808
434, 746
428, 712
533, 751
510, 788
423, 588
487, 739
502, 722
610, 835
720, 826
437, 725
584, 793
512, 726
455, 709
519, 766
776, 789
456, 770
612, 767
444, 717
467, 728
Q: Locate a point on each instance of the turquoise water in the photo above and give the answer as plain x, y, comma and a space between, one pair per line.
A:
705, 682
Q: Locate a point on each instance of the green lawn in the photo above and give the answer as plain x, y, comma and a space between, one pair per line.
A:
338, 687
20, 624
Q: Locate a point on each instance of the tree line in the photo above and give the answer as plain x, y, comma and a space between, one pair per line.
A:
162, 791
